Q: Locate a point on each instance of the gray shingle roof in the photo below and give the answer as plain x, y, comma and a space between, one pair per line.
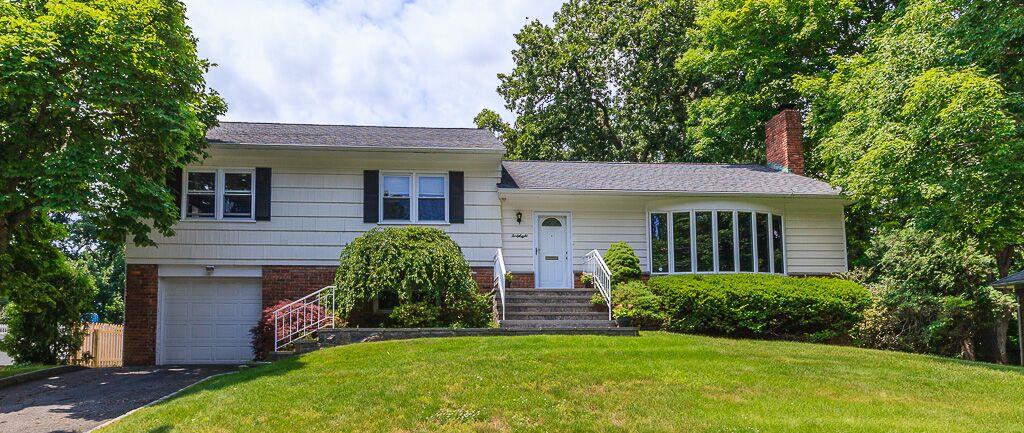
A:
1011, 280
665, 177
375, 137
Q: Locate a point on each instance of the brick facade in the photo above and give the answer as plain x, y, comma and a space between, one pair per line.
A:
484, 277
278, 283
140, 304
784, 135
293, 282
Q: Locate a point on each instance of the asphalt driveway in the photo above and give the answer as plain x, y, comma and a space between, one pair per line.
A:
84, 399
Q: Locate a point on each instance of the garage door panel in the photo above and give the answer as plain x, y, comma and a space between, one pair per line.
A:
207, 320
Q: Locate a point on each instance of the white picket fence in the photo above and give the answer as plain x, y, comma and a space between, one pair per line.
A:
4, 359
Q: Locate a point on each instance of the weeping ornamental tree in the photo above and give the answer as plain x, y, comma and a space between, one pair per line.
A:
422, 266
99, 99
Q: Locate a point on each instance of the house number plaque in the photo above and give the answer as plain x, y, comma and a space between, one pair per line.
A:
519, 235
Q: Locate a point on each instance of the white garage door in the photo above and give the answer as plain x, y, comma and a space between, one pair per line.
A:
207, 320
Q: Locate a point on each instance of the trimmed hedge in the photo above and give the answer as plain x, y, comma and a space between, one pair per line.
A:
635, 301
762, 306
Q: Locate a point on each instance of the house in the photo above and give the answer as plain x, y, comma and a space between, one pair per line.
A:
265, 216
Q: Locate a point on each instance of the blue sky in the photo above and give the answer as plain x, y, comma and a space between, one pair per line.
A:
388, 62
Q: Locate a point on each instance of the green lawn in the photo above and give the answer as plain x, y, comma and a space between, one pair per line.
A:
658, 382
10, 370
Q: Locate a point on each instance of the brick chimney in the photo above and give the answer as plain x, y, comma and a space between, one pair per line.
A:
784, 140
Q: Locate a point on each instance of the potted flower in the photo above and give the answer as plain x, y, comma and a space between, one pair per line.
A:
508, 279
623, 315
587, 279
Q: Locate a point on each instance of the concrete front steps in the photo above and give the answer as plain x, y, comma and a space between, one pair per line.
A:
553, 309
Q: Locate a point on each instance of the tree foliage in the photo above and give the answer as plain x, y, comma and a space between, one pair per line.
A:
104, 262
47, 296
926, 125
930, 295
98, 100
420, 265
679, 80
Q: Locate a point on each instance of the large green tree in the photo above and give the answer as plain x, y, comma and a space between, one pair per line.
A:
598, 83
927, 125
98, 100
678, 80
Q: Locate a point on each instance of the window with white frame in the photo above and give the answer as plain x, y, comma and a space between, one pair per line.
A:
414, 197
716, 241
219, 194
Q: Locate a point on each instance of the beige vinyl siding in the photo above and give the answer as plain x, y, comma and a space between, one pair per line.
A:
815, 237
596, 222
317, 208
815, 232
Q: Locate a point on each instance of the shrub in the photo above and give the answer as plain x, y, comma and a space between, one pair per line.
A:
622, 262
47, 297
421, 265
762, 306
415, 315
930, 296
263, 333
636, 302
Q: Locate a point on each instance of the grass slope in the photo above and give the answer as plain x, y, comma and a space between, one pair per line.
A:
11, 370
658, 382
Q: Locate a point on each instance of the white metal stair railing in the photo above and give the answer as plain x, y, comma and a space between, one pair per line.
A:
596, 267
297, 319
499, 279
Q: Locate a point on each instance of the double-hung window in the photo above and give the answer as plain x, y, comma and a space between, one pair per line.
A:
419, 197
219, 194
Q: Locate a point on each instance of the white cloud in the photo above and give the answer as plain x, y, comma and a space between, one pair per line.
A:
423, 63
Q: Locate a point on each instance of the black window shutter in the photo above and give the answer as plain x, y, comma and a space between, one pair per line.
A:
263, 188
456, 197
371, 189
174, 185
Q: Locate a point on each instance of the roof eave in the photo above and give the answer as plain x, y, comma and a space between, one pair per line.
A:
523, 191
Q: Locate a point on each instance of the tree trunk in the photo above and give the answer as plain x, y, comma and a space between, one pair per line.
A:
1004, 258
967, 349
1002, 327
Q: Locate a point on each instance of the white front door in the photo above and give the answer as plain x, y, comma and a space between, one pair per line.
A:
553, 264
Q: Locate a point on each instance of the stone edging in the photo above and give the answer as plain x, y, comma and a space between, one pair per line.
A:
19, 379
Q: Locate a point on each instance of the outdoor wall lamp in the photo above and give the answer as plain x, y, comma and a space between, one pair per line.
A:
519, 217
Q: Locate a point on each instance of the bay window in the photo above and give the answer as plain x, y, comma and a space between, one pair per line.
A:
414, 198
716, 241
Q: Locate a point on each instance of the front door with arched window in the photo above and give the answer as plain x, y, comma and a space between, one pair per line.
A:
553, 251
